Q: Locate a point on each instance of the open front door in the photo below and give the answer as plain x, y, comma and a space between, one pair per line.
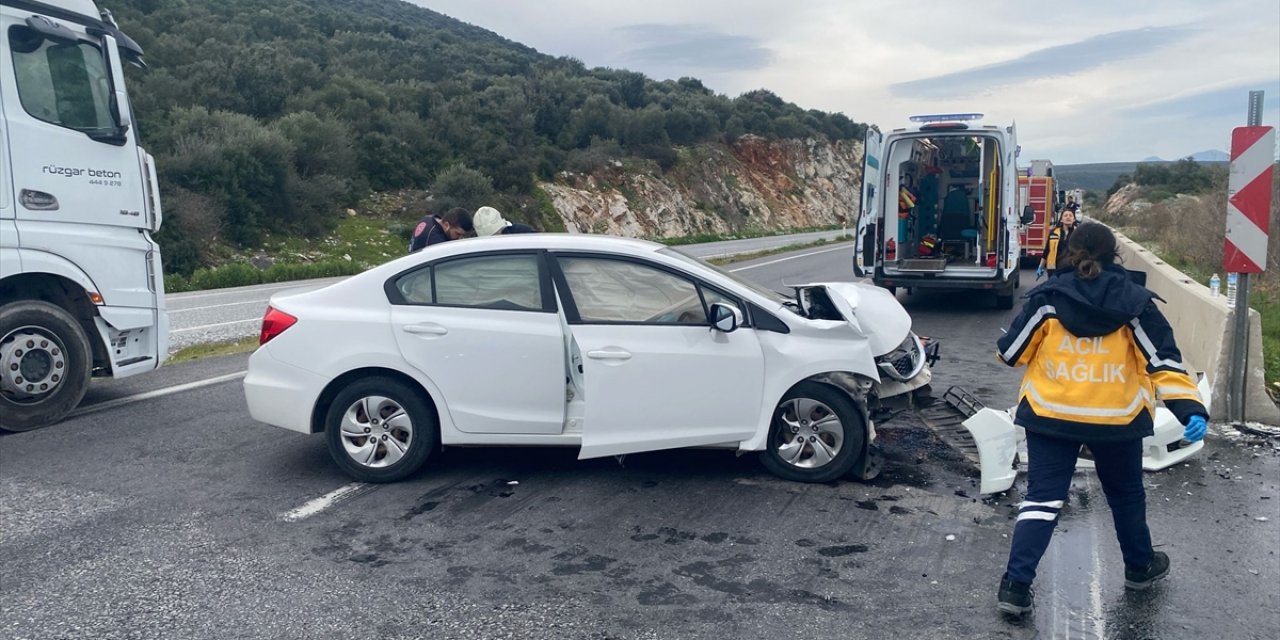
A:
657, 376
864, 252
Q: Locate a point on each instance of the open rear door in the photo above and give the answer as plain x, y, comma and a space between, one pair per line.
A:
865, 249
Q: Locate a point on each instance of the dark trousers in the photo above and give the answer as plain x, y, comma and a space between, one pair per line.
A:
1051, 463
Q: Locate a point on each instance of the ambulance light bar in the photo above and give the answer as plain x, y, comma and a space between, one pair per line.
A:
947, 117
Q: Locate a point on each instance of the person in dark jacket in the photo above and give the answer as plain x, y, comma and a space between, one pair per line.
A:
1098, 355
454, 224
489, 222
1056, 242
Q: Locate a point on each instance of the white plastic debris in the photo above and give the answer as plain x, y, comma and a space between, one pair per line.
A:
513, 482
1261, 518
951, 536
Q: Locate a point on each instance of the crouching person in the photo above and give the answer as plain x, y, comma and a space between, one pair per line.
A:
1098, 355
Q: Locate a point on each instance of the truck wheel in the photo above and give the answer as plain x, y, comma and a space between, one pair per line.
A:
44, 364
817, 435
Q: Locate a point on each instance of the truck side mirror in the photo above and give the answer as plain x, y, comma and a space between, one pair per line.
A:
1028, 214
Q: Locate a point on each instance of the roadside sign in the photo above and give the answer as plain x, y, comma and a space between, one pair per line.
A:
1249, 199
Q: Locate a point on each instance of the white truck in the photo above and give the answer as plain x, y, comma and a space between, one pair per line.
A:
81, 288
940, 207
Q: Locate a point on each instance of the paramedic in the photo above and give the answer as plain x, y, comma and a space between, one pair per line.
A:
436, 229
1098, 355
1055, 245
488, 222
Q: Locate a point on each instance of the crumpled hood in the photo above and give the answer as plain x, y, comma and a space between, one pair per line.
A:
1089, 308
873, 311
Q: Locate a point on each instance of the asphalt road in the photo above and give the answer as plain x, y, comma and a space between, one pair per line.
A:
223, 315
176, 516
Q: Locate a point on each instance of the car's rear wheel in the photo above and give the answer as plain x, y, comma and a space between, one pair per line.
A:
380, 430
817, 435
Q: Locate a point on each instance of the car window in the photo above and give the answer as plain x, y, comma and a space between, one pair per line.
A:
607, 290
490, 282
415, 286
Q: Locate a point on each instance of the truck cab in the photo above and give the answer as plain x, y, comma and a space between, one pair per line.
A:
81, 285
940, 207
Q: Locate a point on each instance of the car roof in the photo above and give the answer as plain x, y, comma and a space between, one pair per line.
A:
558, 241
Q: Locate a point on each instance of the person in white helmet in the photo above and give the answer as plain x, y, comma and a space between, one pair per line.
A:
488, 222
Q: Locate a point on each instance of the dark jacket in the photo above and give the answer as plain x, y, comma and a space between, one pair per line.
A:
428, 232
1055, 246
516, 227
1098, 355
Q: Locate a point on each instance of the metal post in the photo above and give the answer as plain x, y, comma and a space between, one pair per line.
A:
1238, 378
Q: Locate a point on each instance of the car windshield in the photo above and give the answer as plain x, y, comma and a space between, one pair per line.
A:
766, 292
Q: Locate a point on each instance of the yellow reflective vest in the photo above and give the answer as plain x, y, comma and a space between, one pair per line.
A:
1095, 387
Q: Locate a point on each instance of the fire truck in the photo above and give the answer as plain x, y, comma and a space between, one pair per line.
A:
1036, 190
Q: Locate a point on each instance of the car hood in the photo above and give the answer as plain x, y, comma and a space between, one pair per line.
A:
873, 312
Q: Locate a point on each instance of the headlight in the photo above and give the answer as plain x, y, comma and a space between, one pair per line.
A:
905, 361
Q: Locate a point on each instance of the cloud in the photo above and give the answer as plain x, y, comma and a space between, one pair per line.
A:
1044, 63
1228, 102
693, 47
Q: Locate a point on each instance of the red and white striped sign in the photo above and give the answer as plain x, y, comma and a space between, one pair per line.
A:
1253, 151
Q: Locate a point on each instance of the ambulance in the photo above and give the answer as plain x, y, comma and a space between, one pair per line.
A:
940, 207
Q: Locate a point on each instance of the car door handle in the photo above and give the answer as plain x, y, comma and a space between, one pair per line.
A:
609, 354
425, 329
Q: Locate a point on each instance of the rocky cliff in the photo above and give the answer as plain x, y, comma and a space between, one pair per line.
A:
751, 184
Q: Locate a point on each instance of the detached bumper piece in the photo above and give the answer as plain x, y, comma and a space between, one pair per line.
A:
986, 437
1161, 450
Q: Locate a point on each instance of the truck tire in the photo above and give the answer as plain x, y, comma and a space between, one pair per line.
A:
45, 364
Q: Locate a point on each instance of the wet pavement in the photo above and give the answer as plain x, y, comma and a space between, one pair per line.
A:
166, 518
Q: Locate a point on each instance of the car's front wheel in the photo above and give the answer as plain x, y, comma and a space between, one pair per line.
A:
817, 435
380, 430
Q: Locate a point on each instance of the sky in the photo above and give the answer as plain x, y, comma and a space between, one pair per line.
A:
1086, 81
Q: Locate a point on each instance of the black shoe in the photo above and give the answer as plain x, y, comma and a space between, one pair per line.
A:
1015, 597
1139, 579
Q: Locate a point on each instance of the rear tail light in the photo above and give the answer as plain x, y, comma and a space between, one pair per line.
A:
273, 324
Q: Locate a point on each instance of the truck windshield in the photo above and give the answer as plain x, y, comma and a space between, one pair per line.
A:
66, 84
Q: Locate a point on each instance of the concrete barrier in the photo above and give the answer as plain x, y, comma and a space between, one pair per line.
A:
1202, 325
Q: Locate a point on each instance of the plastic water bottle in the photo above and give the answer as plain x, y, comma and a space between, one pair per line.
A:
1232, 280
1215, 286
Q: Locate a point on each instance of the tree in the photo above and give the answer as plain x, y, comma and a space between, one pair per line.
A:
461, 186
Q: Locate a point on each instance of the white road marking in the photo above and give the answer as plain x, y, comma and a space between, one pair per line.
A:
216, 306
178, 388
297, 284
216, 324
327, 500
802, 255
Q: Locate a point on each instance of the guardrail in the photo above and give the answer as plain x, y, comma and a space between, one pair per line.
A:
1202, 325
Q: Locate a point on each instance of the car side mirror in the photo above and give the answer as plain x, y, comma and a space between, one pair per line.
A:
725, 318
1028, 214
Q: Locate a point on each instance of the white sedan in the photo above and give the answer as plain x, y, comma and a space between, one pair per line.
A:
609, 345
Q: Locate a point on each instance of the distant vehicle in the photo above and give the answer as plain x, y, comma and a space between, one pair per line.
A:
81, 288
1036, 190
940, 207
610, 345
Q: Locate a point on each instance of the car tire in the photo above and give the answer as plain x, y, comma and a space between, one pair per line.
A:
380, 430
46, 344
817, 435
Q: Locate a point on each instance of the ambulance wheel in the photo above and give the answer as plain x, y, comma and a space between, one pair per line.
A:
1004, 301
893, 291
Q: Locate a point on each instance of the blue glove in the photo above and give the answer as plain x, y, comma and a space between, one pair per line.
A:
1196, 427
1039, 272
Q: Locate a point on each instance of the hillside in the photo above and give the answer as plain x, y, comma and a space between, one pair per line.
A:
1102, 175
272, 117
